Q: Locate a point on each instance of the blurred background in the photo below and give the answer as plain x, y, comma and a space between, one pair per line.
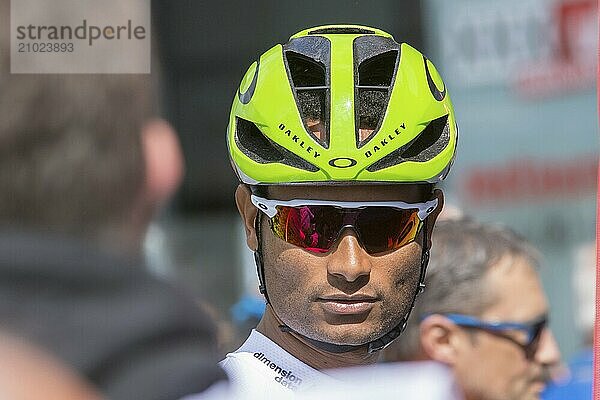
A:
521, 74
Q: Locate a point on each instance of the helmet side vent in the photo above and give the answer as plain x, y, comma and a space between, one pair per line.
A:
428, 144
254, 144
251, 141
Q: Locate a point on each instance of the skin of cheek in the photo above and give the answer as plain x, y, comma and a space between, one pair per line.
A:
495, 370
295, 278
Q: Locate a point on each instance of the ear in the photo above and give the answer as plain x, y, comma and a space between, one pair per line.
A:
440, 339
248, 213
163, 161
439, 195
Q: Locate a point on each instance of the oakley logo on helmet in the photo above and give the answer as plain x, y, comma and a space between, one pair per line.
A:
384, 142
342, 162
296, 139
439, 96
247, 95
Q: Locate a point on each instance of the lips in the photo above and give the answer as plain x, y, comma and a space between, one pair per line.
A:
344, 304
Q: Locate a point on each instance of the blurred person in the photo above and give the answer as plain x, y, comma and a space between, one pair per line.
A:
484, 314
29, 373
576, 382
338, 138
84, 165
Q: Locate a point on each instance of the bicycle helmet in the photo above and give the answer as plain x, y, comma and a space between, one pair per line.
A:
342, 103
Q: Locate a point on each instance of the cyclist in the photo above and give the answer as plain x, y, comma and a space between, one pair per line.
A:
338, 138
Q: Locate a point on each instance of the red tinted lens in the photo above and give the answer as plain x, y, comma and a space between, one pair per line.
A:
383, 229
311, 227
316, 228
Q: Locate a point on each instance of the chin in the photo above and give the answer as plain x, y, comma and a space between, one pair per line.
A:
348, 334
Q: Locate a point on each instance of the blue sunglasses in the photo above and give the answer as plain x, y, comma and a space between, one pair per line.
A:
533, 329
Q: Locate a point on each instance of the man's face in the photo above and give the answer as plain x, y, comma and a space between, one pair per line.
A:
490, 367
344, 296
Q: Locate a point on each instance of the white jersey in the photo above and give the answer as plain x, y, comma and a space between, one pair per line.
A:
262, 369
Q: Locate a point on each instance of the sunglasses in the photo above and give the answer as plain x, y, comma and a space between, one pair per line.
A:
533, 330
315, 225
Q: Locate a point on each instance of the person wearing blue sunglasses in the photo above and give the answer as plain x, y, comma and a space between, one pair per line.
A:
484, 314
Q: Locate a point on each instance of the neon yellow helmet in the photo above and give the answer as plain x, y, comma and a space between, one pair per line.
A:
342, 103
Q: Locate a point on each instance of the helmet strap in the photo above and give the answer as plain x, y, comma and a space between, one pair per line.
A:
260, 269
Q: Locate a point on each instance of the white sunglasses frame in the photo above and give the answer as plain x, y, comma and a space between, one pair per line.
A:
269, 206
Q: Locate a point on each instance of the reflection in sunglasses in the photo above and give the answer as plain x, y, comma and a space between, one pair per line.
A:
316, 225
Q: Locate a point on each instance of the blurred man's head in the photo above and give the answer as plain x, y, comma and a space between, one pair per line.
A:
483, 313
81, 154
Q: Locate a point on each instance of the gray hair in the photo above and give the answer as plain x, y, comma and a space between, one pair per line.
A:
463, 252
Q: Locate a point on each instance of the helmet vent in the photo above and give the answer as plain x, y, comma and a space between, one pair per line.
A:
428, 144
261, 149
254, 144
375, 77
304, 71
342, 30
310, 87
379, 70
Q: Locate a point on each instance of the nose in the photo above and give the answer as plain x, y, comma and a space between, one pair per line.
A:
548, 352
349, 260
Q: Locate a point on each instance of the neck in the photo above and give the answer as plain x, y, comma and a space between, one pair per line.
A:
306, 352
